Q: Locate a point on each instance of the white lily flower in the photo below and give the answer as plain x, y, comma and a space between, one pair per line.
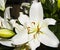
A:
34, 29
5, 24
2, 4
19, 38
4, 21
37, 27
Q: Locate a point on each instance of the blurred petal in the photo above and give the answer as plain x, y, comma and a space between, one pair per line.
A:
48, 38
5, 24
53, 1
25, 4
23, 18
8, 25
50, 21
6, 17
20, 38
13, 22
2, 4
1, 21
34, 44
36, 11
7, 13
6, 42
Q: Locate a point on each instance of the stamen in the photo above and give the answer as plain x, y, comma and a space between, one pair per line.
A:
34, 36
33, 23
28, 28
38, 29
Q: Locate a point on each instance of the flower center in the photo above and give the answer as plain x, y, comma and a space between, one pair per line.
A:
34, 28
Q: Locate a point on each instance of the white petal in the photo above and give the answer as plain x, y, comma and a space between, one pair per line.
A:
19, 28
23, 18
25, 4
20, 38
34, 44
7, 13
6, 17
53, 1
13, 22
6, 42
5, 24
30, 36
1, 21
2, 4
50, 21
48, 38
36, 11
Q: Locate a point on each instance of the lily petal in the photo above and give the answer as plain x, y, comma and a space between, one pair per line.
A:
6, 42
48, 38
30, 36
36, 11
34, 44
6, 17
13, 22
1, 21
4, 21
2, 4
19, 28
7, 13
21, 37
50, 21
23, 18
5, 24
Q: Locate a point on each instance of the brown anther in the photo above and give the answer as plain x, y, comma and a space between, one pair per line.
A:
28, 28
33, 23
34, 36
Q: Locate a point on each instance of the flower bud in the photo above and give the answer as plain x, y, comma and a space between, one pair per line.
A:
5, 33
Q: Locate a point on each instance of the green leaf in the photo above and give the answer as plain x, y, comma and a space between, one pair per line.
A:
42, 1
58, 3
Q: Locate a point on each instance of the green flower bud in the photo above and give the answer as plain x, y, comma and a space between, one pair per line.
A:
6, 33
